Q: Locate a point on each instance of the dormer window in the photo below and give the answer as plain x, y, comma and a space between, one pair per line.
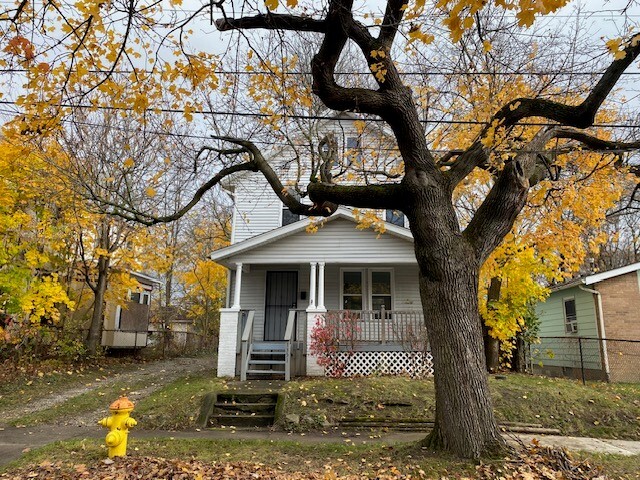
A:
352, 148
352, 143
288, 216
395, 217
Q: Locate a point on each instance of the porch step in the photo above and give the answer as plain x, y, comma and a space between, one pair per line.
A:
265, 372
242, 410
270, 355
269, 347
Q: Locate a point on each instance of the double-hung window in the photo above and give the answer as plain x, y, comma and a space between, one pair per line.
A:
352, 290
570, 315
367, 289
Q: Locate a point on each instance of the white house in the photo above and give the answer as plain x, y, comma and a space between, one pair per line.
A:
284, 280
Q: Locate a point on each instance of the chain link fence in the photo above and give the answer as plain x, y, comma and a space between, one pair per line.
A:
586, 358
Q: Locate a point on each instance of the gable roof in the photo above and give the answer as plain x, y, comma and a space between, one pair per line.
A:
287, 231
597, 277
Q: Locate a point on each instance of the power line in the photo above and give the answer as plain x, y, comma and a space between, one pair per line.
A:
409, 74
308, 117
293, 144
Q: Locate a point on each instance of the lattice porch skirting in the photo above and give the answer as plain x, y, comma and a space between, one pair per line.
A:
415, 364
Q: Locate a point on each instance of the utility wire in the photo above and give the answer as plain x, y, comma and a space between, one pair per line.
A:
293, 144
309, 117
408, 74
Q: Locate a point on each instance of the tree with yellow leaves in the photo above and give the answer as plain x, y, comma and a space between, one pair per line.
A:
35, 243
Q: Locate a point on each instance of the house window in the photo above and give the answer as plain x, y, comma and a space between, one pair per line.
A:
395, 217
367, 289
352, 298
118, 317
352, 149
146, 298
289, 217
570, 316
381, 290
140, 297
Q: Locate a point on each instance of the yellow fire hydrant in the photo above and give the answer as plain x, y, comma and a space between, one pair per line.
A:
118, 424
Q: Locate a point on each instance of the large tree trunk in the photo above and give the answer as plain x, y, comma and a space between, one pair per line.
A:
95, 329
449, 270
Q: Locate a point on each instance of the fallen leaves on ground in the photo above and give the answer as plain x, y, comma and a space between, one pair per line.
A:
538, 462
534, 463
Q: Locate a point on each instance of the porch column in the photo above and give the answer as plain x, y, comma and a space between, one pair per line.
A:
238, 284
312, 287
228, 342
321, 286
314, 317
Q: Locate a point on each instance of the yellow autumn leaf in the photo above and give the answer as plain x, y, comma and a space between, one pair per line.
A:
128, 163
526, 17
150, 191
271, 4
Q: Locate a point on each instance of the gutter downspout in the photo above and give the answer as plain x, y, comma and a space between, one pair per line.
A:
601, 327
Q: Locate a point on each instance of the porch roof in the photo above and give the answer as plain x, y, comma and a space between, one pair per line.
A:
329, 244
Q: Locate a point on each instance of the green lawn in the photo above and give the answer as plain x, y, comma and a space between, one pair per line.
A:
595, 410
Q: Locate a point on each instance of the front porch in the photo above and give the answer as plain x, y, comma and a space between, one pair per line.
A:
366, 342
360, 285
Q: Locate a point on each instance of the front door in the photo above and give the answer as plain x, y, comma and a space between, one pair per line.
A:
282, 295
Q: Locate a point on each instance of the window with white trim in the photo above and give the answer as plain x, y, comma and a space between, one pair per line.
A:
366, 289
380, 289
353, 150
352, 290
140, 297
570, 315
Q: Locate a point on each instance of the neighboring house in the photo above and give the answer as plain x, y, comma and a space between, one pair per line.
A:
127, 326
283, 280
592, 325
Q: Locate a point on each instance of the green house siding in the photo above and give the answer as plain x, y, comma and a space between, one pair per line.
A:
565, 351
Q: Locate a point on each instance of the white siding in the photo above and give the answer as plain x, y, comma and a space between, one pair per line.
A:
253, 291
406, 291
252, 297
407, 288
407, 294
257, 208
337, 241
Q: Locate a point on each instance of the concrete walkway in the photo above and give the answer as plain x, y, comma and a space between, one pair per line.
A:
15, 441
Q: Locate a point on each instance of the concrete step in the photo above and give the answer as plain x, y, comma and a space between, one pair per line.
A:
241, 420
237, 398
246, 407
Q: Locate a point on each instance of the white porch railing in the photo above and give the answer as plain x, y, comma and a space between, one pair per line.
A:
246, 340
367, 328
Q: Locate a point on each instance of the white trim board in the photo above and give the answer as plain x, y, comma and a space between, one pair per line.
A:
599, 277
